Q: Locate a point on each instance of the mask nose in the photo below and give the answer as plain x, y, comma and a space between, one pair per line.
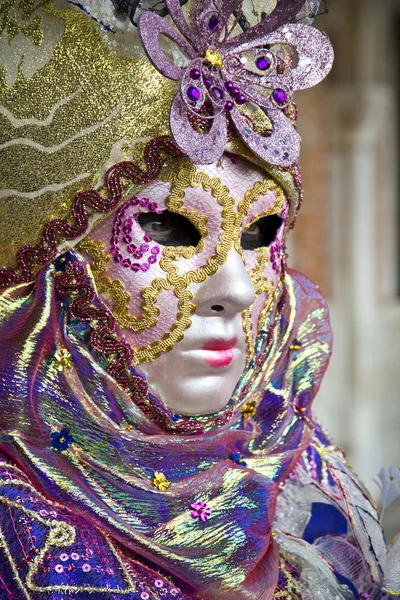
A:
228, 292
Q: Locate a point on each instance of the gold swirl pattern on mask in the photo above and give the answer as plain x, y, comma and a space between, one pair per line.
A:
71, 107
186, 177
260, 282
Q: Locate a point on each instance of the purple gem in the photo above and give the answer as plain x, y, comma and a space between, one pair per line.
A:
153, 206
135, 201
218, 93
236, 92
207, 83
228, 106
135, 267
155, 250
241, 99
193, 93
147, 237
152, 259
279, 96
213, 23
263, 63
145, 266
229, 85
195, 74
144, 202
144, 247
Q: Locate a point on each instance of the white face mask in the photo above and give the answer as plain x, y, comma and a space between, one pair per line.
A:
190, 288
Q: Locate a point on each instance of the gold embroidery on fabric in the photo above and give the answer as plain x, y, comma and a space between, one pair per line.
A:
61, 534
4, 546
186, 177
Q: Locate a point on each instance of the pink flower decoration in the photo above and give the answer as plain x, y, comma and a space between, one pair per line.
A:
221, 76
200, 511
64, 556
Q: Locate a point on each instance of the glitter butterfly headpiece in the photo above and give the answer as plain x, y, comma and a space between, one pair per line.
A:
227, 70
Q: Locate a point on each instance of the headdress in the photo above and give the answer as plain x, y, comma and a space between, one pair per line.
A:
77, 94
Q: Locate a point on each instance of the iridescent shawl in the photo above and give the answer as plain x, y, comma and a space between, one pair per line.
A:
106, 475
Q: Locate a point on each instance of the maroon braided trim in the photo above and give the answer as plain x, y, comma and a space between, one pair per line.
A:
75, 284
59, 230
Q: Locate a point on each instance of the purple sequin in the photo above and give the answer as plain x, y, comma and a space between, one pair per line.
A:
279, 96
122, 241
263, 63
193, 93
213, 23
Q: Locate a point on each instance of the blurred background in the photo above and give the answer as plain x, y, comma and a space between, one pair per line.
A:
347, 238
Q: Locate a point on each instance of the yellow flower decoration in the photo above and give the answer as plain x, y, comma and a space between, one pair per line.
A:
249, 409
214, 58
160, 481
64, 360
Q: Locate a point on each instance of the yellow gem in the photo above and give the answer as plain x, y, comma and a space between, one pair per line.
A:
249, 409
63, 360
273, 534
160, 481
61, 440
214, 58
295, 347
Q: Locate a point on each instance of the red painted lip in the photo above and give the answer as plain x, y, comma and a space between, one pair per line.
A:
220, 352
220, 345
220, 358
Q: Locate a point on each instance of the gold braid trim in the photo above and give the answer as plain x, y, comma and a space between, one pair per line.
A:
260, 282
186, 177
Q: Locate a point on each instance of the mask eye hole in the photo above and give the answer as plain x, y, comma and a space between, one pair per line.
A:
169, 229
261, 233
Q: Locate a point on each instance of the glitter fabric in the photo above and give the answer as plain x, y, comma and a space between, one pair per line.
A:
226, 72
107, 474
127, 477
77, 111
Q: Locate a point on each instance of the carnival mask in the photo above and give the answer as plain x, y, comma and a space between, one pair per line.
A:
189, 268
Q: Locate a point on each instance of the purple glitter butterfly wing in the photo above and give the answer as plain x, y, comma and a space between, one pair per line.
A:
151, 26
315, 52
200, 148
282, 147
179, 19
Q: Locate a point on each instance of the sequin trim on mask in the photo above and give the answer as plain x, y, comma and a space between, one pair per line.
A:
122, 237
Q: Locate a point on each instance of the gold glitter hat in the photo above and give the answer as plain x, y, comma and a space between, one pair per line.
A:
77, 94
